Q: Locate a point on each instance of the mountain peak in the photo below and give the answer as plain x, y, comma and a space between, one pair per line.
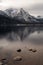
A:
11, 12
20, 15
22, 11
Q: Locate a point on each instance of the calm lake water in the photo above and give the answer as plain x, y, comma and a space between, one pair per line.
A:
23, 38
23, 35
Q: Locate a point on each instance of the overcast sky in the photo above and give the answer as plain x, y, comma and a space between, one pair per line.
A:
34, 7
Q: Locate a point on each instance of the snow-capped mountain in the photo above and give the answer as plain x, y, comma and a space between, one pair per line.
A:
20, 15
26, 16
2, 13
11, 12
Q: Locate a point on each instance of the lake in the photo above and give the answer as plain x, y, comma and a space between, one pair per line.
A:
29, 40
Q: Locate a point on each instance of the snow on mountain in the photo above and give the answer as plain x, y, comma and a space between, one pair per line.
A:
11, 12
20, 14
3, 13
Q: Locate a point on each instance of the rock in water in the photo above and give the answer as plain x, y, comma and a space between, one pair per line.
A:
30, 49
34, 50
4, 61
19, 50
18, 58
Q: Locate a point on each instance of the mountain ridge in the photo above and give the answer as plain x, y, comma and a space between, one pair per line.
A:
20, 15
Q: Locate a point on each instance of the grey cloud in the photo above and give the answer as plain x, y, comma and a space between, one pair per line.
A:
0, 0
35, 9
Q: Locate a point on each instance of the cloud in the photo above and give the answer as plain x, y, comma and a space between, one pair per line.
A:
35, 9
17, 3
0, 0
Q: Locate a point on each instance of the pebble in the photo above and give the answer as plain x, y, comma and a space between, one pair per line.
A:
18, 58
30, 49
34, 50
19, 50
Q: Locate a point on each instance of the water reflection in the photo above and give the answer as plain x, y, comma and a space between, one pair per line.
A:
21, 33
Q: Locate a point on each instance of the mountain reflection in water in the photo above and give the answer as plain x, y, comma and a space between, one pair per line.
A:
19, 32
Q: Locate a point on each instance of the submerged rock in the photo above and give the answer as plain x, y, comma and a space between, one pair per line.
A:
19, 50
4, 61
34, 50
30, 49
18, 58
